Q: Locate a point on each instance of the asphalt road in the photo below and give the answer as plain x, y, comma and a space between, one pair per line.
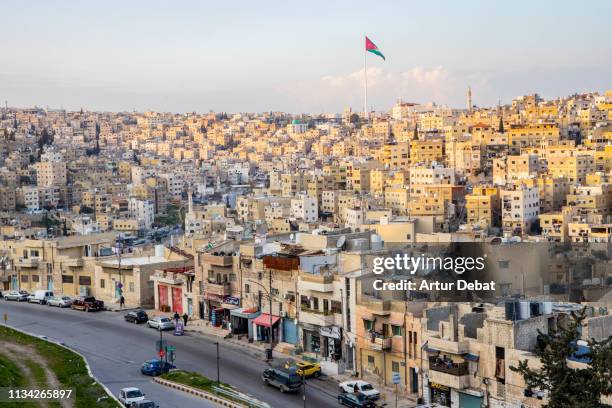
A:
115, 350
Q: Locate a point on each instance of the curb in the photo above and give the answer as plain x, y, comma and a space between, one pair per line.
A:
89, 372
198, 393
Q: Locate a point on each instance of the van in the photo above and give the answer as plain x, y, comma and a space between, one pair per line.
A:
285, 381
40, 296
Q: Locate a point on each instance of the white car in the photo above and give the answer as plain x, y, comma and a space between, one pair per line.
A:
363, 387
17, 295
129, 395
59, 301
40, 296
161, 323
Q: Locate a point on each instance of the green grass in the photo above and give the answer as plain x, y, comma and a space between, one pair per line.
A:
40, 379
12, 377
197, 380
69, 368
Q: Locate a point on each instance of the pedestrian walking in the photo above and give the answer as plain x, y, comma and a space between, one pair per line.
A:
185, 318
176, 318
121, 302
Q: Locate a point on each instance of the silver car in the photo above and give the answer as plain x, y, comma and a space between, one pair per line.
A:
17, 295
161, 323
59, 301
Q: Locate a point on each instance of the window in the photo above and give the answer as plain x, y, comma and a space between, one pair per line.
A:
131, 286
102, 283
85, 280
274, 292
396, 330
304, 301
336, 307
247, 288
395, 366
67, 279
368, 324
35, 278
371, 360
25, 278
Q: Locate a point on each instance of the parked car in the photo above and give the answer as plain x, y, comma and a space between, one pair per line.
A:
136, 316
356, 400
129, 395
87, 303
40, 296
363, 387
59, 301
161, 323
284, 380
144, 404
16, 295
156, 367
305, 368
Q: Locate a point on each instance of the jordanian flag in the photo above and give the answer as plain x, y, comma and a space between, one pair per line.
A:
371, 47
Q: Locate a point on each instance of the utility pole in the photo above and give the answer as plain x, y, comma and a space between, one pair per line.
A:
271, 329
218, 375
303, 389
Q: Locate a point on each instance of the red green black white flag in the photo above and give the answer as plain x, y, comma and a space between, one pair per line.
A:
371, 47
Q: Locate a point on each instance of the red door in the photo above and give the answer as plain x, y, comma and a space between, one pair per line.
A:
177, 300
163, 296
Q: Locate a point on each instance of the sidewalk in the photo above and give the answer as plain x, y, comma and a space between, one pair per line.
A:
203, 328
280, 354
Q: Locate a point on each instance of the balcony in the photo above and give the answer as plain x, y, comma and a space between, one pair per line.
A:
317, 317
73, 262
454, 375
217, 259
168, 278
28, 262
217, 289
379, 342
317, 283
453, 347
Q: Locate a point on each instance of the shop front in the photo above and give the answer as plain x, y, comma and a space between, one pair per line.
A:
262, 328
331, 338
440, 394
241, 320
311, 338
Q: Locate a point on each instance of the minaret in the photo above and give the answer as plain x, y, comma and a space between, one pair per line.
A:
190, 202
469, 99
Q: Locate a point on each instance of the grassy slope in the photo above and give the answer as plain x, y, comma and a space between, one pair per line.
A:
69, 368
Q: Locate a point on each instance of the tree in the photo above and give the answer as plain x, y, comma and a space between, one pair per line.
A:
570, 387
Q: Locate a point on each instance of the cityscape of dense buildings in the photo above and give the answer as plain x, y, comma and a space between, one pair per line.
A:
260, 223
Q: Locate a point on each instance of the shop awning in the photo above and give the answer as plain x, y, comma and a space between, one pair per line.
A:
471, 357
245, 313
264, 320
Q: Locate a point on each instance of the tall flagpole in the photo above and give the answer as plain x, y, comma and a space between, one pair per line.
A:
365, 81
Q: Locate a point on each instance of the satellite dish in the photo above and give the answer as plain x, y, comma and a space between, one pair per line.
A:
341, 241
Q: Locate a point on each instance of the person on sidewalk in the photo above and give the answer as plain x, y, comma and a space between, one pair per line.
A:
176, 318
185, 318
121, 302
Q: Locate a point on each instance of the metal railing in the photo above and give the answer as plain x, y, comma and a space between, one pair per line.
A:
239, 397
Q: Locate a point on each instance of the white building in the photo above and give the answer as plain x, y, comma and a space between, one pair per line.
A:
143, 211
175, 184
305, 208
520, 208
434, 174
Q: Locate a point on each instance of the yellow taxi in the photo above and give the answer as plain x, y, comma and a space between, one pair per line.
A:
305, 368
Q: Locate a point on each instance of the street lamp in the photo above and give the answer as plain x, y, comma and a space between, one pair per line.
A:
218, 375
269, 293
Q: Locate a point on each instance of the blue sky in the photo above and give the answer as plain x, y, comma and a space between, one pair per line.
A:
298, 57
